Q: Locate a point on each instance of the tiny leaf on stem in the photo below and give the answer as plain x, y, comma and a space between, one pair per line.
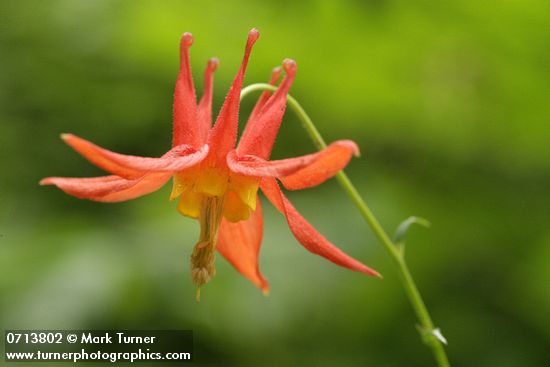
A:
403, 228
429, 334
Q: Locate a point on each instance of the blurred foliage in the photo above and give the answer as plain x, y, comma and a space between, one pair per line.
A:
448, 101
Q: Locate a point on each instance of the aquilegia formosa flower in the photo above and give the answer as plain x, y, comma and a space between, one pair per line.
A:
216, 183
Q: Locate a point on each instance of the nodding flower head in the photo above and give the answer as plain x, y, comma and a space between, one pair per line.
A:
216, 180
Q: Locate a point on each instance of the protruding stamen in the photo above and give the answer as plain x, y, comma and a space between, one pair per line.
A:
203, 266
185, 103
203, 258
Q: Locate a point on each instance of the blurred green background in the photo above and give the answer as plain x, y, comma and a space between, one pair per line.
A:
449, 102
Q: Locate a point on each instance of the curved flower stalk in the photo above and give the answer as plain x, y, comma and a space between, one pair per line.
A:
430, 334
217, 181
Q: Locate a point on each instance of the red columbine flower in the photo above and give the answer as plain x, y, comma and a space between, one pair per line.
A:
216, 183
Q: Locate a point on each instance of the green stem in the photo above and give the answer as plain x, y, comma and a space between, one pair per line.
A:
424, 318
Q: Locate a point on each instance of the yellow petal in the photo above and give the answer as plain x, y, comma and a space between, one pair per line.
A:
183, 181
212, 181
235, 209
246, 188
177, 187
190, 204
